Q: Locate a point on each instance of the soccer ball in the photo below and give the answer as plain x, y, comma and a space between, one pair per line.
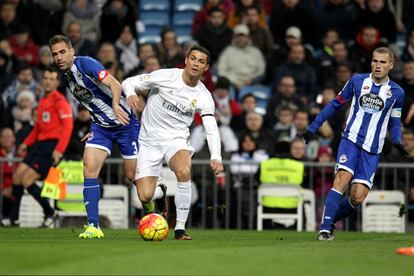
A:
153, 227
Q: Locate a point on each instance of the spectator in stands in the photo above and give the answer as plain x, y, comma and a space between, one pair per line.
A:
45, 60
242, 63
335, 14
285, 128
116, 14
151, 64
259, 35
47, 143
263, 137
22, 112
408, 53
303, 73
301, 121
214, 34
361, 49
343, 72
291, 13
7, 150
284, 94
145, 50
107, 55
279, 52
248, 104
297, 149
86, 13
238, 14
377, 15
407, 84
81, 126
82, 45
128, 48
226, 107
8, 19
23, 81
170, 52
7, 64
201, 16
23, 46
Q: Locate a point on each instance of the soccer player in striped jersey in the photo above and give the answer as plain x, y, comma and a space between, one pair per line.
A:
175, 96
376, 103
113, 120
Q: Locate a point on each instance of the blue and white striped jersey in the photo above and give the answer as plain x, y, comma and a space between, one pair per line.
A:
84, 81
373, 106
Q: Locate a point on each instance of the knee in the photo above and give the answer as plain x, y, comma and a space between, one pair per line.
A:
90, 171
183, 174
130, 175
26, 182
356, 200
145, 196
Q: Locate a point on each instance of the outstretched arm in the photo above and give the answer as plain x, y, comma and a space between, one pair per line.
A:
115, 87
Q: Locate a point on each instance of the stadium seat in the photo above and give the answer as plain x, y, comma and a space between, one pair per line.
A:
380, 212
150, 35
280, 191
31, 214
115, 205
184, 18
261, 92
154, 5
155, 18
183, 33
309, 207
188, 5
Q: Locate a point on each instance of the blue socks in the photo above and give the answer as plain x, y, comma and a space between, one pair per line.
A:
345, 209
91, 195
329, 211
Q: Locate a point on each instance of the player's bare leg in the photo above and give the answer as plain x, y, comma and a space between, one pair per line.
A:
129, 168
93, 160
180, 164
146, 188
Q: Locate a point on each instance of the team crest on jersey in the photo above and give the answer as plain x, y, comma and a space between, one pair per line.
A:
343, 158
388, 94
371, 103
194, 103
82, 94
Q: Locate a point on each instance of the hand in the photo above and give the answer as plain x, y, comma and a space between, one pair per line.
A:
22, 149
86, 137
307, 136
401, 149
216, 166
133, 102
56, 157
121, 115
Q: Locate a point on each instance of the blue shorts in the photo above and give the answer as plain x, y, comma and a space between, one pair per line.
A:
360, 163
126, 137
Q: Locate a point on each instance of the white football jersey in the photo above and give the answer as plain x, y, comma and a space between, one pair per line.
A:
171, 104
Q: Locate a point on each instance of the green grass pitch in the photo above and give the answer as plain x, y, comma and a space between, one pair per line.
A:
212, 252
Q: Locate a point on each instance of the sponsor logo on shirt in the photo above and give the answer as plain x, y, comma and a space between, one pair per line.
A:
177, 108
343, 158
371, 103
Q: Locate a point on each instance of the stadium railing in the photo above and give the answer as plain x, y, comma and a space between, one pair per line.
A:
222, 204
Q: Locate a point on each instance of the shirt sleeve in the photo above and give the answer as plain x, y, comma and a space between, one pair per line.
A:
395, 120
213, 137
94, 69
66, 123
145, 81
342, 98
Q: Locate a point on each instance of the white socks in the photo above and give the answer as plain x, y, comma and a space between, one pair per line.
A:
158, 193
182, 202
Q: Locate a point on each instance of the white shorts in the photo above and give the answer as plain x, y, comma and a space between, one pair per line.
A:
151, 156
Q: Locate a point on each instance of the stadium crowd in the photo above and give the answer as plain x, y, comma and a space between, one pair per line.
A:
302, 51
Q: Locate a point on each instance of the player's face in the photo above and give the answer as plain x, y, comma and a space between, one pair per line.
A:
196, 64
381, 65
62, 55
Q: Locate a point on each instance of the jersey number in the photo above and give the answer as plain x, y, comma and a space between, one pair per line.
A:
134, 144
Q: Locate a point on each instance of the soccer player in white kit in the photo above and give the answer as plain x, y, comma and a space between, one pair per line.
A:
175, 96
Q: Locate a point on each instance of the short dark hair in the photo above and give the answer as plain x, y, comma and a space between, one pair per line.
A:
248, 95
200, 49
53, 69
58, 39
384, 50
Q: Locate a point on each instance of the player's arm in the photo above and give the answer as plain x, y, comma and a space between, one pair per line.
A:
212, 135
395, 125
115, 87
330, 109
66, 123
